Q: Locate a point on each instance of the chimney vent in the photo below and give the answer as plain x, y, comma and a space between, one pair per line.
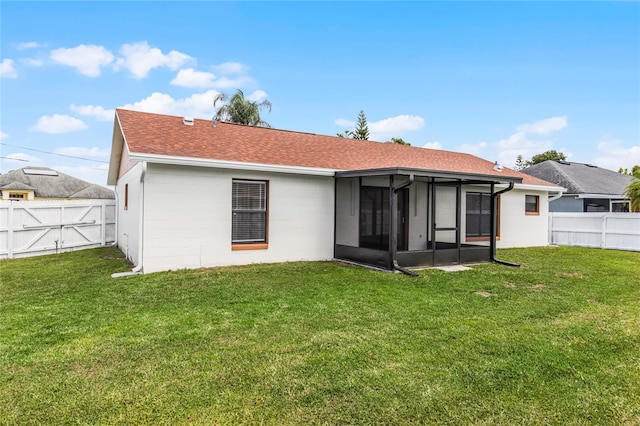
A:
187, 121
497, 167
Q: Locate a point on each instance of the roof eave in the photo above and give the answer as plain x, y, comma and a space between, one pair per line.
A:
234, 165
117, 145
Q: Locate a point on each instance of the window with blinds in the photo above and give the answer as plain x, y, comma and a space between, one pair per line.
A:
249, 211
532, 204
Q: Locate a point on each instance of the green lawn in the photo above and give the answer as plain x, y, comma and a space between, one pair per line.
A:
556, 341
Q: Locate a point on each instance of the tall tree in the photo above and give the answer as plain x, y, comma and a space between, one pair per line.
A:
635, 171
520, 163
362, 129
360, 132
237, 109
633, 193
547, 155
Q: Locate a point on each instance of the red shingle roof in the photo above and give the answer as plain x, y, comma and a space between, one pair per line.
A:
147, 133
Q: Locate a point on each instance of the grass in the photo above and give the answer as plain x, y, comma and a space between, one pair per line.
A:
556, 341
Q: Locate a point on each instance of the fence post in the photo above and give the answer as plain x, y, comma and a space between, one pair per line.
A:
103, 223
10, 231
603, 243
550, 227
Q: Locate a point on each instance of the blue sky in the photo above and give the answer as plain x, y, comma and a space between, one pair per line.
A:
494, 79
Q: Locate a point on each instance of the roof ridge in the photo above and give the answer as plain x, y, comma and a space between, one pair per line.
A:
556, 166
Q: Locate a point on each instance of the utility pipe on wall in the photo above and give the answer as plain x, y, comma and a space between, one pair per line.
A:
394, 226
494, 198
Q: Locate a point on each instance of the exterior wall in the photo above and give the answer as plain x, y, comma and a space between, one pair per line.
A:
129, 219
187, 218
28, 195
566, 204
518, 229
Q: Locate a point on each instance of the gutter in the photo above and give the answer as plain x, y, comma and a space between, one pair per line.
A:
555, 196
494, 198
394, 227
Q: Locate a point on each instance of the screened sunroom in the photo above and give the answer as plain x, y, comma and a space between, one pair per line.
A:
408, 218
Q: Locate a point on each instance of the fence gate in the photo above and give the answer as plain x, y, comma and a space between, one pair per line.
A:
30, 228
619, 231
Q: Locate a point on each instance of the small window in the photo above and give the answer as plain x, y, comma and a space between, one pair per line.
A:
532, 204
126, 196
249, 213
16, 196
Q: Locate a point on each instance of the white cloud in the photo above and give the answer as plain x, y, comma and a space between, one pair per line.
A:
226, 83
93, 111
77, 151
520, 144
28, 45
93, 174
613, 155
140, 58
32, 62
205, 80
19, 159
525, 141
194, 79
542, 127
230, 68
87, 59
7, 69
433, 145
344, 123
257, 96
394, 126
473, 148
3, 136
58, 123
197, 105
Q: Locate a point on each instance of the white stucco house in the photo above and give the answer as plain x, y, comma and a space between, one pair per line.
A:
195, 193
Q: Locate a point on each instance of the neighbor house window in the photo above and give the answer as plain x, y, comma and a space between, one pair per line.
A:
249, 214
532, 204
16, 196
478, 212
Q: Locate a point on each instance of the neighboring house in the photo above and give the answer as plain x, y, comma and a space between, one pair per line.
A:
589, 188
43, 183
196, 193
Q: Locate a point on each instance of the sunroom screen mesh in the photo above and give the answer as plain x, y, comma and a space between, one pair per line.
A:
249, 208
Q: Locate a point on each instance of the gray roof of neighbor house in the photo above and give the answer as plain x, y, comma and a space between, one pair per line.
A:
49, 183
580, 178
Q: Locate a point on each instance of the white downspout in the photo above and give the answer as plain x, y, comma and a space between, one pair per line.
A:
115, 239
138, 267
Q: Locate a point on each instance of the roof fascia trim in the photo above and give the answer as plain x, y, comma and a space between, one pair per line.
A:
540, 188
428, 173
117, 145
603, 196
234, 165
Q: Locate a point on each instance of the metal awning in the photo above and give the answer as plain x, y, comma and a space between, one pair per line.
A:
459, 176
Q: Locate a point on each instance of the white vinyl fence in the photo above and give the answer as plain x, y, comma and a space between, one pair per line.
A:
619, 231
32, 228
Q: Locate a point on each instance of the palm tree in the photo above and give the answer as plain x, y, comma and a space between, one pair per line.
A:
239, 110
633, 193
